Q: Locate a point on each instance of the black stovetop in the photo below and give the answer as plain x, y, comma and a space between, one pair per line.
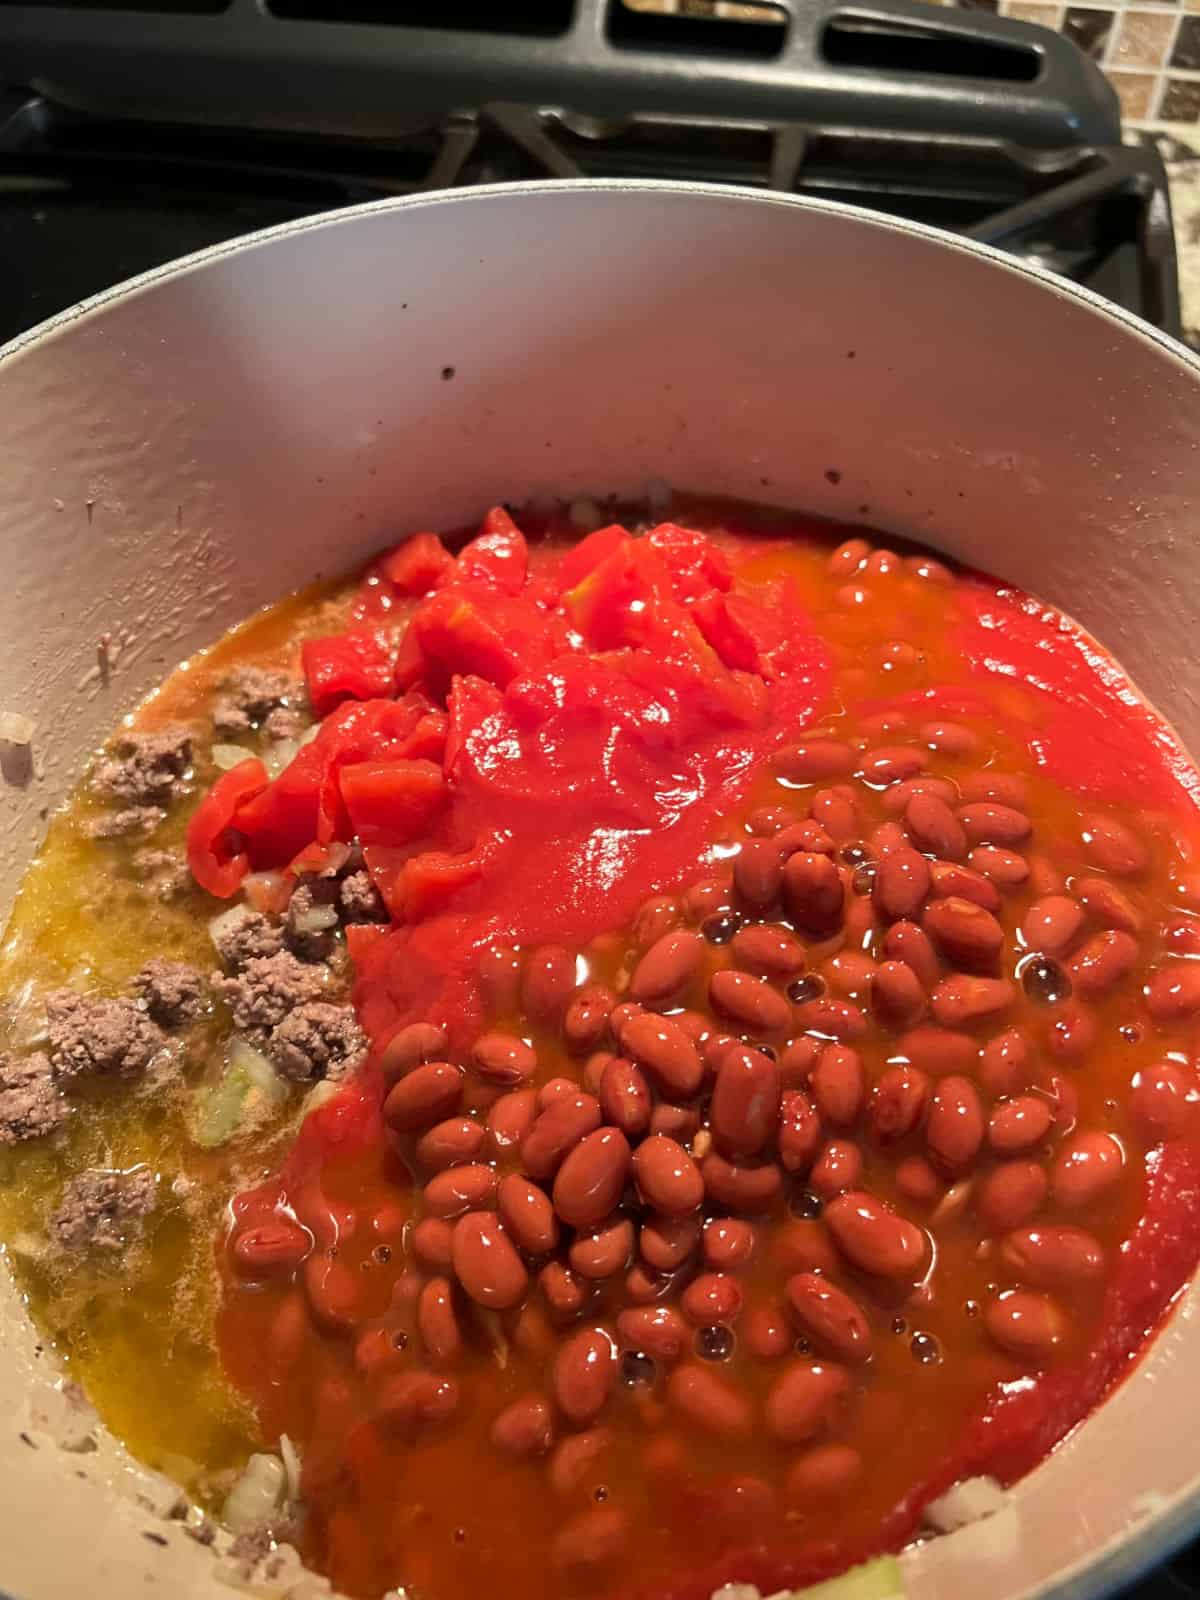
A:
157, 127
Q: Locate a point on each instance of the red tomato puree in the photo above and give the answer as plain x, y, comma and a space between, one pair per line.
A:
781, 1100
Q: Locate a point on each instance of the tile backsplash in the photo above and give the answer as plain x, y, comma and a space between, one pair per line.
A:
1149, 49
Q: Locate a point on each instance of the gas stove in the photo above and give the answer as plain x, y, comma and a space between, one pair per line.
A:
139, 131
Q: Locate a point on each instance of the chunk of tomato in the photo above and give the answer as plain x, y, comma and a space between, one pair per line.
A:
215, 850
356, 665
392, 802
418, 565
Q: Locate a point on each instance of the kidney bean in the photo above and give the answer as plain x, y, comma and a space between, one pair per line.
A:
950, 738
698, 1027
486, 1263
704, 899
709, 1402
583, 1374
826, 1472
1017, 1125
749, 1002
533, 1333
859, 928
625, 1099
657, 1331
934, 827
815, 760
965, 933
803, 838
902, 882
848, 973
1005, 1065
437, 1323
832, 1019
1071, 1034
427, 1095
727, 1243
1107, 904
410, 1047
662, 1047
835, 814
799, 1133
1011, 1194
1085, 1169
667, 967
592, 1177
528, 1215
758, 873
524, 1428
603, 1250
710, 1298
937, 1050
654, 918
1162, 1101
450, 1144
586, 1019
987, 822
1052, 924
813, 893
547, 982
1173, 993
886, 839
556, 1089
576, 1456
1113, 846
273, 1248
898, 1103
503, 1059
768, 949
681, 1123
667, 1242
951, 880
838, 1086
1045, 878
334, 1294
875, 1239
766, 1332
895, 800
737, 1187
1001, 788
563, 1290
375, 1352
891, 764
592, 1540
744, 1112
907, 942
829, 1317
1005, 868
803, 1400
838, 1167
961, 1002
917, 1181
594, 1069
556, 1131
1025, 1324
1102, 961
897, 998
666, 1176
643, 1285
459, 1189
797, 1061
430, 1243
510, 1118
955, 1125
1054, 1258
411, 1401
765, 821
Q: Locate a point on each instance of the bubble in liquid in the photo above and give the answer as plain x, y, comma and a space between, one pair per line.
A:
715, 1343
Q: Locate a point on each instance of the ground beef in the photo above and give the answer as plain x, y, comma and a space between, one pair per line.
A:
90, 1034
164, 871
267, 989
246, 936
309, 896
285, 722
249, 695
30, 1104
102, 1210
121, 824
145, 769
174, 992
360, 899
317, 1041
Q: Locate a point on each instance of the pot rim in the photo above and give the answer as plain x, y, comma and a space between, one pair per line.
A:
1127, 1555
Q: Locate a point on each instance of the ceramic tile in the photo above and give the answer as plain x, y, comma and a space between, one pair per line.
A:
1143, 39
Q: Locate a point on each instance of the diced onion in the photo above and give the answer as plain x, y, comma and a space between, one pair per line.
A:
257, 1495
321, 1094
967, 1502
223, 923
228, 756
267, 892
249, 1086
291, 1465
316, 919
16, 728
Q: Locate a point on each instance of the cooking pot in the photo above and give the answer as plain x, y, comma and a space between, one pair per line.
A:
189, 446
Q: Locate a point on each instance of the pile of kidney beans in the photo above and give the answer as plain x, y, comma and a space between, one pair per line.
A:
881, 974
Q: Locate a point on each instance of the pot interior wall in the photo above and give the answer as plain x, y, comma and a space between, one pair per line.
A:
183, 453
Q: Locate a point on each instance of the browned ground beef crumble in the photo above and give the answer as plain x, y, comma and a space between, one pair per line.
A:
93, 1034
30, 1105
102, 1210
173, 992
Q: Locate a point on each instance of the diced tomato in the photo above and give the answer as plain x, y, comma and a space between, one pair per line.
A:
453, 633
428, 881
613, 605
727, 632
356, 665
695, 563
392, 802
410, 661
280, 821
499, 555
589, 553
216, 855
418, 565
471, 703
427, 741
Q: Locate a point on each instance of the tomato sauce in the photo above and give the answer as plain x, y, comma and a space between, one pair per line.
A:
901, 1226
